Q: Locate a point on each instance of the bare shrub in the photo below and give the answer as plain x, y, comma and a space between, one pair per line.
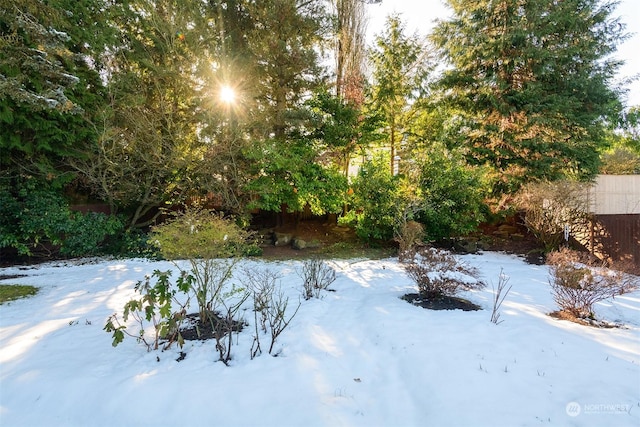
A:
499, 294
408, 235
225, 323
577, 286
316, 276
269, 307
439, 274
549, 207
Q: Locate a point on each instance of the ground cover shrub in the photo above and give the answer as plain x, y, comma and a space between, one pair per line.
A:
576, 286
439, 274
36, 220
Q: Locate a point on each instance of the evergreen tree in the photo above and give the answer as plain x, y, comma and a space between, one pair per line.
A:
284, 46
400, 70
531, 81
49, 86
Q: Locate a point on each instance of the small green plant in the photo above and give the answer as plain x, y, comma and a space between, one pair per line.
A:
154, 308
13, 292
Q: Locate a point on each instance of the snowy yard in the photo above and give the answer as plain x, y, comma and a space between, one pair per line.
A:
359, 356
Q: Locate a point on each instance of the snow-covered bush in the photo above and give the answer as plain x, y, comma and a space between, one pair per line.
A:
438, 273
577, 286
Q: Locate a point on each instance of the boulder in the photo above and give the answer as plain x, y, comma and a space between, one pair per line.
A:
281, 239
298, 243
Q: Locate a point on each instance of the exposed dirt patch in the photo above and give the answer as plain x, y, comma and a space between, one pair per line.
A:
320, 234
564, 315
194, 329
442, 303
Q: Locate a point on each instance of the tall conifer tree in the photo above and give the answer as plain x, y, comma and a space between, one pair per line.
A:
533, 83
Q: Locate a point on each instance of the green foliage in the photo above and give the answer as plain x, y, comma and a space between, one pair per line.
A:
400, 71
453, 194
51, 87
291, 175
211, 244
153, 308
622, 157
12, 292
198, 234
35, 218
531, 83
375, 200
88, 231
131, 243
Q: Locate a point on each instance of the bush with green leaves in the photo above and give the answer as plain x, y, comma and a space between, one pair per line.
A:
35, 219
453, 194
374, 203
212, 246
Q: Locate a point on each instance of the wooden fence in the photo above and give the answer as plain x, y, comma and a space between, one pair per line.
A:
614, 232
616, 238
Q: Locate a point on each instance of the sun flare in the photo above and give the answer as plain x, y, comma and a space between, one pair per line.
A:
227, 94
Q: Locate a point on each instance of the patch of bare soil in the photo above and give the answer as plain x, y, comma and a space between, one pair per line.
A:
195, 329
565, 315
442, 303
318, 233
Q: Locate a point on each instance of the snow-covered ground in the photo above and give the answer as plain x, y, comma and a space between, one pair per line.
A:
359, 356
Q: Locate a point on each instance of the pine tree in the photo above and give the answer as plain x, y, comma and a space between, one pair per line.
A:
532, 84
